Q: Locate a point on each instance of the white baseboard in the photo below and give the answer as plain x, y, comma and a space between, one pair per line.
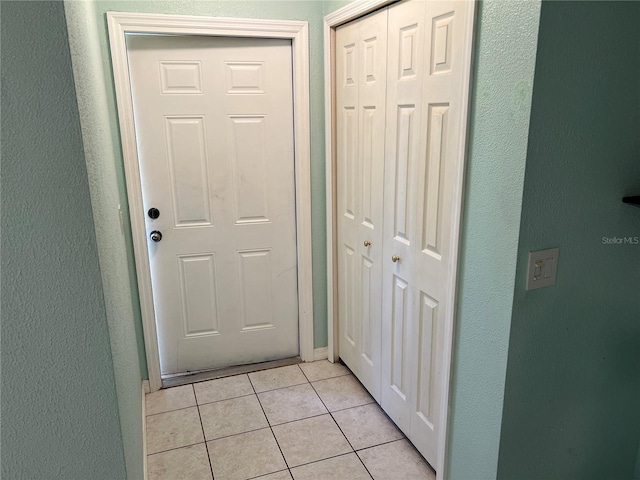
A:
145, 390
321, 353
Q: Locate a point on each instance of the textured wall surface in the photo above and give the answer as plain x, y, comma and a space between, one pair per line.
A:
116, 261
59, 405
502, 82
573, 381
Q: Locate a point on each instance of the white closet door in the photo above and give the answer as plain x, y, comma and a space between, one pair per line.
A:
401, 235
443, 126
360, 124
425, 126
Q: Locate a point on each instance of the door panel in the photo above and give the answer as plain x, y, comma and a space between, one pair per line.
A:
442, 127
214, 125
404, 112
360, 98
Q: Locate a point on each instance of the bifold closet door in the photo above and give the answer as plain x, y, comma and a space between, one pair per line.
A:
422, 167
361, 48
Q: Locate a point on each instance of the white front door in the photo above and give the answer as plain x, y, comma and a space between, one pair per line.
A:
214, 127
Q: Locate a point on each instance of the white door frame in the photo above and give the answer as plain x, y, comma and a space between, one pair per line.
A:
352, 11
121, 24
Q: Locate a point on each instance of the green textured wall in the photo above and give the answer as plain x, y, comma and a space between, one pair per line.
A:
116, 262
573, 381
505, 51
59, 405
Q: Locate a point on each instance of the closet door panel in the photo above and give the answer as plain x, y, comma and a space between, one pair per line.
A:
347, 148
406, 30
442, 128
360, 158
372, 92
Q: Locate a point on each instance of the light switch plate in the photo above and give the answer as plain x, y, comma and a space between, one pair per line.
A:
543, 265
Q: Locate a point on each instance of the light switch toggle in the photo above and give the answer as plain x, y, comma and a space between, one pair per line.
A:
542, 268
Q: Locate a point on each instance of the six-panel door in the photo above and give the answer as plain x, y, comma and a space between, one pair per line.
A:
214, 126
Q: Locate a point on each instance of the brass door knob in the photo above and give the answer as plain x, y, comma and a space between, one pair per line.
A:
367, 243
395, 259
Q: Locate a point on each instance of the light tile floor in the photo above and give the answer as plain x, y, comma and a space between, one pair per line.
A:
312, 421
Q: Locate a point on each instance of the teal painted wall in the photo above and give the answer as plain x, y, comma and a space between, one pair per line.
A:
114, 250
59, 405
573, 384
505, 51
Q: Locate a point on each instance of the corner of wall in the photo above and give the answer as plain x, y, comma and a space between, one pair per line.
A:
100, 156
502, 83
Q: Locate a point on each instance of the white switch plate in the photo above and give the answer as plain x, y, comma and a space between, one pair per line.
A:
543, 265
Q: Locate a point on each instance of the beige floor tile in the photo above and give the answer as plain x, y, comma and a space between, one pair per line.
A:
291, 403
310, 440
283, 475
342, 392
187, 463
178, 428
277, 378
169, 399
323, 369
222, 389
229, 417
396, 460
344, 467
366, 426
245, 456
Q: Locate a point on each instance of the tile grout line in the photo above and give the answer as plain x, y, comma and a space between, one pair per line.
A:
204, 435
272, 473
224, 399
353, 450
279, 388
172, 410
174, 448
271, 428
330, 458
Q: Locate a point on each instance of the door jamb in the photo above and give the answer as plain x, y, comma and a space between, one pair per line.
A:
349, 12
121, 24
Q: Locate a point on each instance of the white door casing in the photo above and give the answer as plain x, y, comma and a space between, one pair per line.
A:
121, 24
214, 124
360, 133
429, 63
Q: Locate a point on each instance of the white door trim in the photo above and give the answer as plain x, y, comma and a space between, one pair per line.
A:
352, 11
121, 24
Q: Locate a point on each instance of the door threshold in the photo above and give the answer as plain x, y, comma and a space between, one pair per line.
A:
204, 375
